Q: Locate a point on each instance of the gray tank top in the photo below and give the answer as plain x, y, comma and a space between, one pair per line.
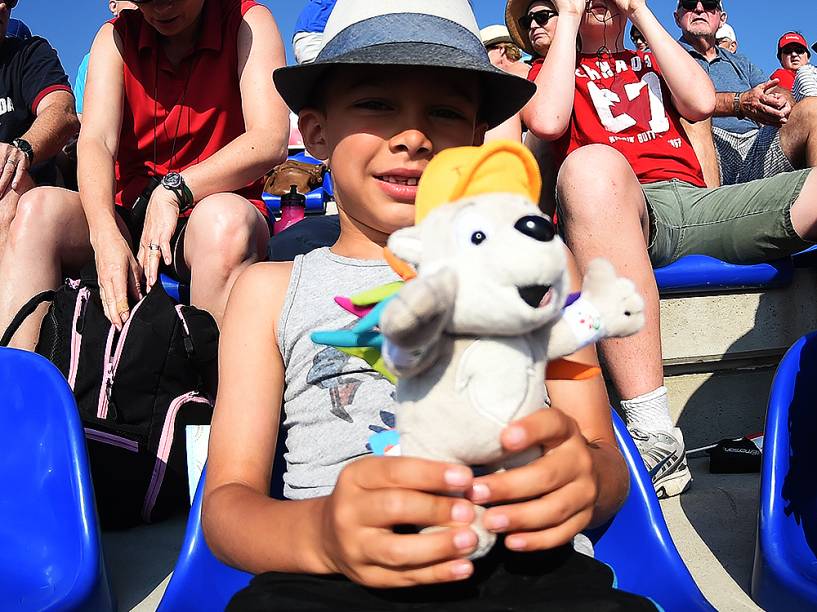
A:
333, 402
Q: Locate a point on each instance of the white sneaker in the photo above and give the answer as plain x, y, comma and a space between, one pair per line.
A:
663, 454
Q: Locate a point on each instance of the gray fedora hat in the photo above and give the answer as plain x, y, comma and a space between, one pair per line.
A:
435, 33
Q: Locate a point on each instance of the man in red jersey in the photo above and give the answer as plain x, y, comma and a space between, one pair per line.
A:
632, 190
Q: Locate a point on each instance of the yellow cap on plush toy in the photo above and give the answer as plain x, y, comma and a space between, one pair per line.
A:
502, 166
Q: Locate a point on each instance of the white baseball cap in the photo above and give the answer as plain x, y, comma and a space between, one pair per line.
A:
726, 31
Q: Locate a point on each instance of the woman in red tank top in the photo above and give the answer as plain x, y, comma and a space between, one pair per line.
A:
179, 99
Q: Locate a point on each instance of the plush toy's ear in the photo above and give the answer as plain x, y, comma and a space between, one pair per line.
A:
407, 245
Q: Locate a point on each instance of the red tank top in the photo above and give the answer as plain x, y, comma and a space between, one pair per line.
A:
174, 118
622, 101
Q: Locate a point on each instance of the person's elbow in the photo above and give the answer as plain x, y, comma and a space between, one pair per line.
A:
699, 107
547, 126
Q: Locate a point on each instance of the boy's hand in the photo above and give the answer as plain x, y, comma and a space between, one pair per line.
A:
561, 487
375, 494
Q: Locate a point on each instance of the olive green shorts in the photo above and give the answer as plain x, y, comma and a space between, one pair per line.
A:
745, 223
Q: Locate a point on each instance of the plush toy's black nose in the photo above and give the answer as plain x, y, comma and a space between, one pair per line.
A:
537, 228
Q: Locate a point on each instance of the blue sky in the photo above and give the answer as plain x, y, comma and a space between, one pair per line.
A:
70, 26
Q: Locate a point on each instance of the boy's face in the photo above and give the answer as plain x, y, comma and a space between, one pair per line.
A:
379, 128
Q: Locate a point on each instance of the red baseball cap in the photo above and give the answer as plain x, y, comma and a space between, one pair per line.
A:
792, 38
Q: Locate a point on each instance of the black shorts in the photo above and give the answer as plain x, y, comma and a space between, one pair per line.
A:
178, 269
560, 579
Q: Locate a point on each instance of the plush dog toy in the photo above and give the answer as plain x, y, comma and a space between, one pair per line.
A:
469, 338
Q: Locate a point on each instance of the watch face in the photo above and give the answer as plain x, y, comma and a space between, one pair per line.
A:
172, 180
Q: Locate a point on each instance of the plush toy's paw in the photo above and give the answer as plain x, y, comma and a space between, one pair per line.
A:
615, 297
420, 311
485, 539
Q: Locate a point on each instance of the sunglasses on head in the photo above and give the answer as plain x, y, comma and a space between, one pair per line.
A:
540, 17
709, 5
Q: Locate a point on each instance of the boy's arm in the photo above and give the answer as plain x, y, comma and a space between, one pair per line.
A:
692, 91
350, 531
548, 113
239, 518
582, 479
700, 135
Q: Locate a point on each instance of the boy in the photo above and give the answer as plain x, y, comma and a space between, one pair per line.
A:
632, 190
404, 86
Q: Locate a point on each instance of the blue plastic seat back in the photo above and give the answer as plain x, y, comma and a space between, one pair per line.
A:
50, 557
638, 546
785, 572
200, 581
700, 273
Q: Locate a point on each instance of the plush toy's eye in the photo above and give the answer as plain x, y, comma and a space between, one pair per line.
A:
472, 229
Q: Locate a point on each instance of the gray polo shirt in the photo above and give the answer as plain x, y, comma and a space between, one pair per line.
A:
730, 72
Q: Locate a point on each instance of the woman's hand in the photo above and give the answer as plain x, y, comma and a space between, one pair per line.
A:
119, 276
160, 224
629, 7
570, 7
559, 490
375, 494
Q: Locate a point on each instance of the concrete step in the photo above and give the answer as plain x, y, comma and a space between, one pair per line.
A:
702, 329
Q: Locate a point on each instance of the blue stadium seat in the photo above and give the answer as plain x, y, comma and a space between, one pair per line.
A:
785, 568
315, 200
638, 546
50, 557
200, 581
179, 292
636, 543
703, 274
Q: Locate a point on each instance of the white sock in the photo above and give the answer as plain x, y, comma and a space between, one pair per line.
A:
649, 412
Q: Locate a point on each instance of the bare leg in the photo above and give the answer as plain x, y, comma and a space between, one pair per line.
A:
8, 208
603, 213
798, 138
224, 236
49, 233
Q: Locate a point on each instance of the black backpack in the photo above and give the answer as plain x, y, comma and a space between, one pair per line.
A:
136, 391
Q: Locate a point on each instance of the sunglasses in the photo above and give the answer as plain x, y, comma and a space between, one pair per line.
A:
794, 49
10, 4
540, 17
709, 5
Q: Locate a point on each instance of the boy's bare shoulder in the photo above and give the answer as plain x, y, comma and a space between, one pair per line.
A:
262, 284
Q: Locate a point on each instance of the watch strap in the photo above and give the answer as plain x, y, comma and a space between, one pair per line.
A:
25, 147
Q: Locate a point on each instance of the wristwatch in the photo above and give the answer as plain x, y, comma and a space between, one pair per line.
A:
25, 147
173, 181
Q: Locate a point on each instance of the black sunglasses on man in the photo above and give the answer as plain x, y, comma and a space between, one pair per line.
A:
708, 5
540, 17
10, 4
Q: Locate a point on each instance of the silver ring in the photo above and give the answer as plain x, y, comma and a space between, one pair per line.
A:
154, 247
11, 162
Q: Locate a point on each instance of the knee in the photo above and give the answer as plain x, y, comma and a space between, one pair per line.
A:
806, 111
596, 182
229, 230
35, 218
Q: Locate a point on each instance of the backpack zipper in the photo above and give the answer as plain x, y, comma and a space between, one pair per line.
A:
111, 362
163, 451
77, 327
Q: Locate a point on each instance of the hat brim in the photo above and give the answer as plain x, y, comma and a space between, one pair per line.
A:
514, 11
503, 94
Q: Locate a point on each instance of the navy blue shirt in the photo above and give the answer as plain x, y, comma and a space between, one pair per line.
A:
314, 16
730, 72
